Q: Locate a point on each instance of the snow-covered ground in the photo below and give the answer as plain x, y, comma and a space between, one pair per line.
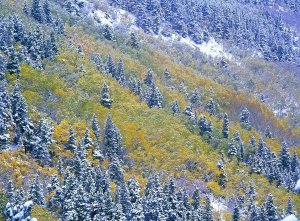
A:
211, 48
297, 187
116, 17
290, 218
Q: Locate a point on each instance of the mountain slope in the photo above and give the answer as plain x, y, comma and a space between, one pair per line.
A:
67, 92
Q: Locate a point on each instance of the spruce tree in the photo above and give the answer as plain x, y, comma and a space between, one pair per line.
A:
236, 214
116, 172
36, 192
13, 65
149, 78
71, 142
222, 178
245, 119
268, 133
175, 107
290, 206
44, 140
270, 209
134, 42
295, 162
2, 68
225, 130
284, 157
10, 191
110, 66
5, 116
155, 97
96, 128
195, 98
25, 8
112, 140
47, 12
120, 74
211, 107
232, 150
207, 213
105, 97
196, 199
108, 33
87, 141
36, 11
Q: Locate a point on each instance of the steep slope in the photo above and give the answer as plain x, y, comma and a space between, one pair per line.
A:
67, 91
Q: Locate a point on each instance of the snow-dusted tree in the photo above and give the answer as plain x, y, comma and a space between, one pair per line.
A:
270, 209
105, 99
155, 97
252, 192
290, 207
18, 211
195, 98
196, 199
110, 67
134, 42
222, 178
37, 11
53, 184
96, 128
113, 145
71, 142
236, 214
232, 150
13, 65
20, 113
211, 107
87, 140
175, 107
207, 213
59, 27
96, 58
10, 191
36, 192
5, 115
47, 12
120, 74
44, 140
26, 8
245, 119
225, 129
116, 172
268, 133
2, 68
108, 33
284, 157
295, 162
149, 80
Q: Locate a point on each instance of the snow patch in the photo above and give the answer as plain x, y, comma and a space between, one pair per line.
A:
113, 17
119, 17
297, 187
290, 218
210, 48
102, 17
218, 206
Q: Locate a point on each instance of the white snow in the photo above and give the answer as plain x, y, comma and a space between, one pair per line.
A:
297, 187
218, 206
113, 17
290, 218
101, 17
210, 48
119, 17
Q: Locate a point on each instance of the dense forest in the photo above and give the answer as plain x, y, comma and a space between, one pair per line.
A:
98, 123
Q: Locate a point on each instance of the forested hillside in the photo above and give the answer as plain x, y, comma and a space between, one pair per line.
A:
105, 116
